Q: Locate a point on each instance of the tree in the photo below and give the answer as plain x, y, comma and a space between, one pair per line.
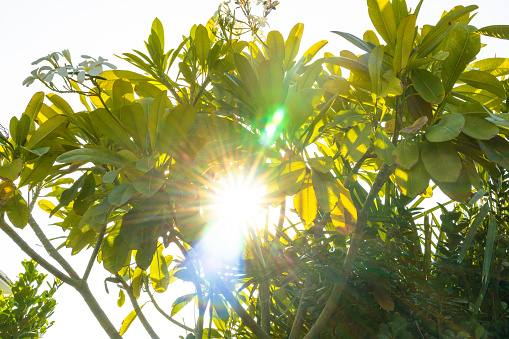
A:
25, 313
136, 170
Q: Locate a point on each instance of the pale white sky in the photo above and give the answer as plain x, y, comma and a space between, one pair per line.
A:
30, 29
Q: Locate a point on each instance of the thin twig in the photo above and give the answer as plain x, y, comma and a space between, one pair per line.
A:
164, 314
97, 246
134, 302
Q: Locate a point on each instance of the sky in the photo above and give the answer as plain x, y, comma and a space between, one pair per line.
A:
30, 29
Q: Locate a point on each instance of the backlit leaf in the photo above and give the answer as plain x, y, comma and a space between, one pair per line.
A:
356, 142
382, 17
180, 302
413, 181
305, 202
442, 161
159, 275
18, 211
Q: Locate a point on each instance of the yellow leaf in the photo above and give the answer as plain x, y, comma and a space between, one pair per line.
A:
344, 215
305, 202
6, 190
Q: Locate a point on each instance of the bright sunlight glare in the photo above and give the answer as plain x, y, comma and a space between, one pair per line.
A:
237, 205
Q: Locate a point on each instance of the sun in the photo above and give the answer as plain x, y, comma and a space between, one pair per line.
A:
236, 206
239, 201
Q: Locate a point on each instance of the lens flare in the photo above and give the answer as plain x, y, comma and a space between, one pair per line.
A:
272, 127
236, 205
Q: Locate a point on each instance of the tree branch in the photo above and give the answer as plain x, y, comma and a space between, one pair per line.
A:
50, 249
96, 309
137, 308
332, 303
32, 254
164, 314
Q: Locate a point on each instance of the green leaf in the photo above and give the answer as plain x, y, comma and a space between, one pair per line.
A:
149, 183
157, 28
313, 50
18, 211
384, 148
356, 142
321, 164
382, 17
442, 161
479, 128
68, 194
202, 43
412, 182
180, 302
428, 85
110, 128
221, 309
34, 106
479, 218
11, 170
494, 66
375, 62
134, 120
404, 42
275, 47
61, 104
495, 31
271, 76
159, 274
459, 190
121, 194
305, 202
442, 29
326, 190
100, 156
463, 45
400, 10
484, 80
158, 112
95, 217
115, 250
247, 74
35, 171
22, 129
176, 127
448, 128
50, 129
292, 45
355, 40
488, 253
121, 298
122, 93
358, 68
291, 175
496, 150
137, 281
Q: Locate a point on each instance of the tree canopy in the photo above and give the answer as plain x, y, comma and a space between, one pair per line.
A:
353, 144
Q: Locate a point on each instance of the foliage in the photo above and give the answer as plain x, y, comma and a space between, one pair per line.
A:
25, 313
352, 138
